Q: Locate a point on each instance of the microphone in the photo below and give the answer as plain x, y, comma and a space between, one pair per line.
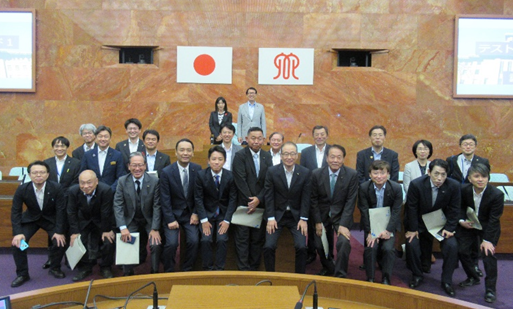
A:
297, 139
299, 304
155, 296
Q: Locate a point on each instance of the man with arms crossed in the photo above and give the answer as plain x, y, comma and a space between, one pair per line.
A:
334, 190
46, 209
287, 197
90, 216
376, 193
426, 194
250, 166
251, 114
488, 204
177, 201
137, 209
215, 195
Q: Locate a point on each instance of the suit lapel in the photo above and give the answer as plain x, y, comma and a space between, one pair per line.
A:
325, 177
427, 187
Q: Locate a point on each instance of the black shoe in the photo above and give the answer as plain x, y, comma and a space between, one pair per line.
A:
448, 289
478, 271
46, 265
325, 272
311, 259
386, 280
361, 267
128, 273
107, 273
426, 270
81, 275
57, 273
19, 281
370, 280
490, 297
415, 282
469, 282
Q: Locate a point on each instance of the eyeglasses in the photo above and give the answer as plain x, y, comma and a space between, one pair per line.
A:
468, 144
137, 165
289, 154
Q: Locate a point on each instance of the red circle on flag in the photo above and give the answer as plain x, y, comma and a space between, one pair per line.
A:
204, 64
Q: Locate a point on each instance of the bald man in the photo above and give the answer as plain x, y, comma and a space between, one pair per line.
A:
90, 215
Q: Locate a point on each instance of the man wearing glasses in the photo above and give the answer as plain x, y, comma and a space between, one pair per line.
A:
46, 209
287, 197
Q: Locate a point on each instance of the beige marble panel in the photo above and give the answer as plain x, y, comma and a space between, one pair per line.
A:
73, 4
436, 32
109, 27
261, 29
204, 29
407, 60
428, 7
332, 30
388, 31
474, 7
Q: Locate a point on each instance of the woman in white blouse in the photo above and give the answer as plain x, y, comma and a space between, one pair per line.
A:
422, 150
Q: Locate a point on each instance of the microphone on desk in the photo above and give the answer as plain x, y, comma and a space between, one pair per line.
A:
299, 304
155, 295
297, 139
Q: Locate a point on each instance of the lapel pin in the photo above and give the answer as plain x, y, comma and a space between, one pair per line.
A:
94, 155
371, 157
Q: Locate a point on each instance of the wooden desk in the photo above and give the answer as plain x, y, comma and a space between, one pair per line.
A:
244, 296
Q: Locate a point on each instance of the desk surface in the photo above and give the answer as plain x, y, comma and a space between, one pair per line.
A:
215, 296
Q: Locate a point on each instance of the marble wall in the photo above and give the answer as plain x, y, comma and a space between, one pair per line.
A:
408, 89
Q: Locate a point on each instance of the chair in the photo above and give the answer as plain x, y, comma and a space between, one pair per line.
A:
18, 171
499, 177
300, 147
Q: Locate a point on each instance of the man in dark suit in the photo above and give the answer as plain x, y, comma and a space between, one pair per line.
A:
376, 193
227, 133
87, 131
276, 140
133, 128
458, 170
63, 169
488, 204
250, 166
106, 162
90, 216
137, 209
427, 194
364, 158
460, 163
46, 209
155, 160
177, 203
334, 190
314, 157
215, 196
287, 197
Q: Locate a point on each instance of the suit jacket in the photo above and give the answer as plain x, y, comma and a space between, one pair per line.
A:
208, 199
235, 149
70, 172
341, 205
244, 122
213, 122
309, 157
172, 198
125, 201
124, 148
98, 211
419, 201
412, 171
161, 160
78, 153
278, 195
246, 180
455, 171
490, 210
365, 157
54, 207
392, 198
112, 170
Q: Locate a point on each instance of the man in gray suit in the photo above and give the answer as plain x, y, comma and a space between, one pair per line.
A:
137, 209
227, 133
251, 114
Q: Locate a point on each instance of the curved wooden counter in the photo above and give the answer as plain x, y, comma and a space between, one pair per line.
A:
330, 289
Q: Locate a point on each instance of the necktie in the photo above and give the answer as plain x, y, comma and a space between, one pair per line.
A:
257, 164
434, 196
138, 185
333, 180
185, 183
217, 181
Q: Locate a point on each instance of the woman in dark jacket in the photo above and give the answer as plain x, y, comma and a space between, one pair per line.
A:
218, 119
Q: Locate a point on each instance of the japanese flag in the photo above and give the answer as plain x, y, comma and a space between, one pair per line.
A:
204, 65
